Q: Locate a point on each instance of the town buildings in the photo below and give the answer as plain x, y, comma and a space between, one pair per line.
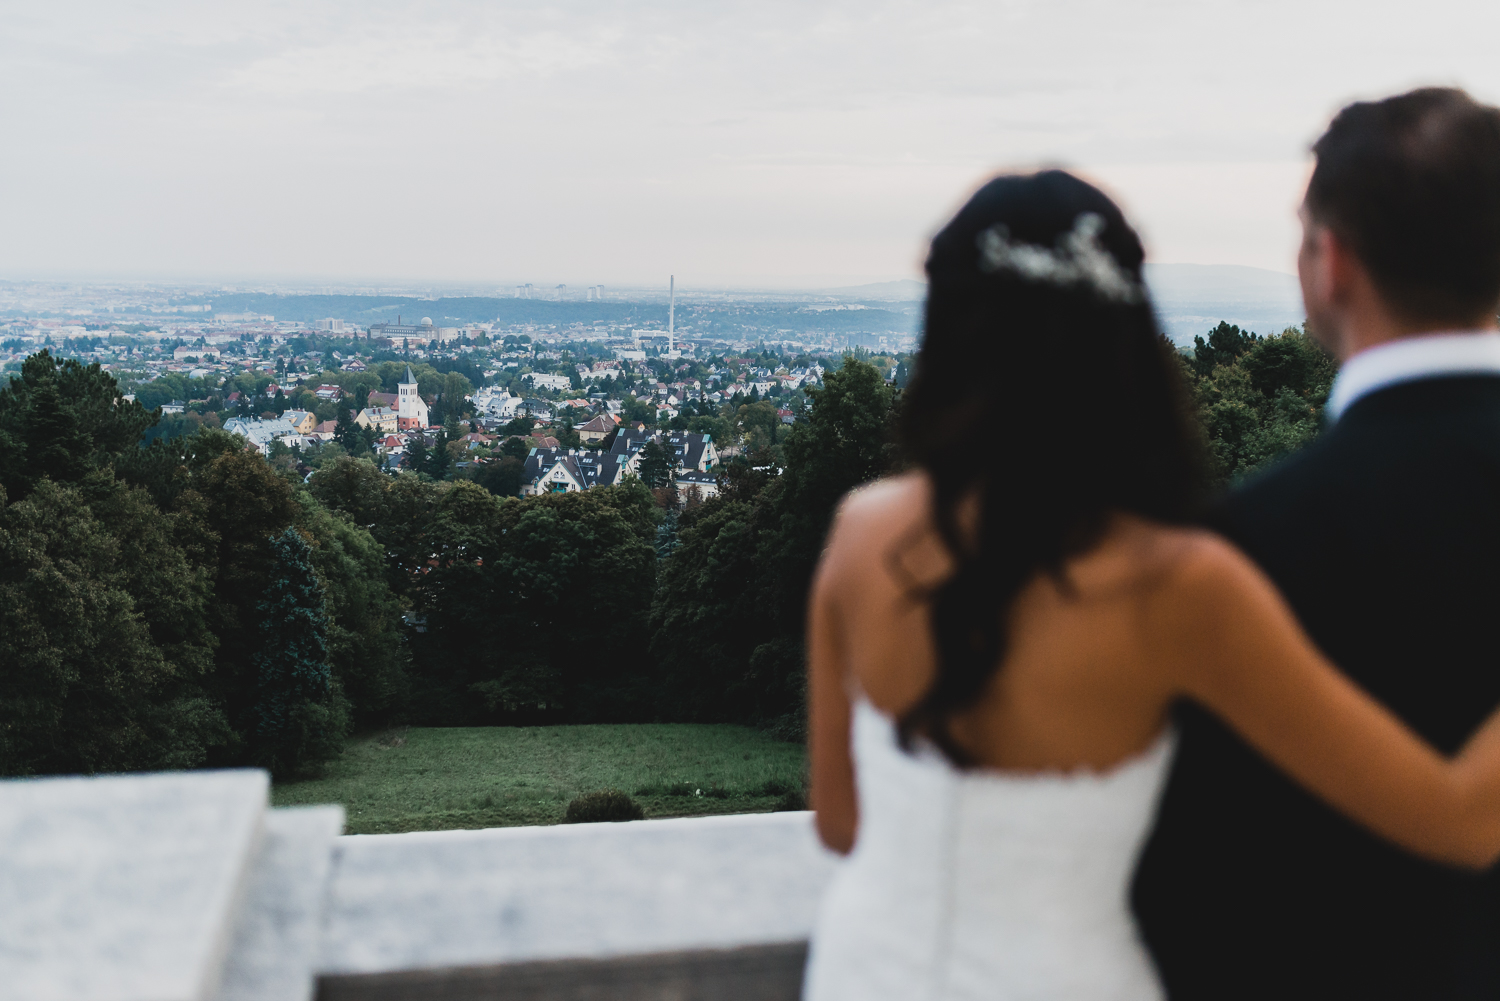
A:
558, 470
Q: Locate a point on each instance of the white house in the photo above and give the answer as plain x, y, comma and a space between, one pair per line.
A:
262, 433
542, 380
496, 402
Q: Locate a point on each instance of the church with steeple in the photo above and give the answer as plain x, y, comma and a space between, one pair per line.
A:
411, 411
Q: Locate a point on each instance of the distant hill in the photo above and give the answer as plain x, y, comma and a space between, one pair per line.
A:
1192, 298
901, 290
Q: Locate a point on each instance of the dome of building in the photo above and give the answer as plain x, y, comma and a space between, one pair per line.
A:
426, 321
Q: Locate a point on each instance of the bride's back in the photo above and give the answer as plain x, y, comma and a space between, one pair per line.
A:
981, 631
1078, 685
1008, 879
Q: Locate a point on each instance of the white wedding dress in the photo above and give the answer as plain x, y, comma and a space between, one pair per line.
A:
985, 884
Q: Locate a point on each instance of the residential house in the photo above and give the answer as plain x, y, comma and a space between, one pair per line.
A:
542, 380
302, 421
693, 451
495, 402
696, 481
539, 409
598, 429
173, 407
323, 392
381, 419
555, 470
387, 400
262, 433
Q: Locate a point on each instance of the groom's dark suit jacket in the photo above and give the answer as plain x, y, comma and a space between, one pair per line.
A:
1385, 537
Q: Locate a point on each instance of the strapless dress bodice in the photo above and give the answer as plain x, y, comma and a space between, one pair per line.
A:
985, 884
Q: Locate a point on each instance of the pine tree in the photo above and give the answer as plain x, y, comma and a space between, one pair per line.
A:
347, 432
416, 452
300, 718
438, 459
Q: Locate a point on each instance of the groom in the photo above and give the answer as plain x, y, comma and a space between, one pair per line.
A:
1385, 537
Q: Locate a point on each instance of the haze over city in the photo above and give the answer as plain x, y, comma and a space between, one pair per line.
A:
767, 144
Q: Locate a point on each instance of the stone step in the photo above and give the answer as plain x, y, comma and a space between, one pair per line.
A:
274, 944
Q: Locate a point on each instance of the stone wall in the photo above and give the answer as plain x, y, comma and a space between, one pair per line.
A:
186, 887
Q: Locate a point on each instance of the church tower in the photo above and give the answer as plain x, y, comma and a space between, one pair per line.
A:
411, 412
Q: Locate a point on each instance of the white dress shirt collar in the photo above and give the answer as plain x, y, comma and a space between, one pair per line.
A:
1411, 358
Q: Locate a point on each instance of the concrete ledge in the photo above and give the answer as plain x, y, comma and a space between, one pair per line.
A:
750, 973
185, 887
447, 899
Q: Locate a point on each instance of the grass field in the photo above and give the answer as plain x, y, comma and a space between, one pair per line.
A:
433, 779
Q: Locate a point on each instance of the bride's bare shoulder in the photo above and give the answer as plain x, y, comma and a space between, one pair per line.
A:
1202, 567
886, 509
891, 505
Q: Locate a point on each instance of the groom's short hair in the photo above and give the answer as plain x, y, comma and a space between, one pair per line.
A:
1412, 184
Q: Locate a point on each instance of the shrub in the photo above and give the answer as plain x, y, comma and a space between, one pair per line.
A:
603, 806
791, 800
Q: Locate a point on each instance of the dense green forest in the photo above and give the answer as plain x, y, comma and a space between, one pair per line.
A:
186, 603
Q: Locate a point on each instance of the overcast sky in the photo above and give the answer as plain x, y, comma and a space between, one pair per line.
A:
732, 143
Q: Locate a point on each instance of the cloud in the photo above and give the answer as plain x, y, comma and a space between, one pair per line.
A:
427, 58
587, 140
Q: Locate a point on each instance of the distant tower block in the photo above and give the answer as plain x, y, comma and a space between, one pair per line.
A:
520, 291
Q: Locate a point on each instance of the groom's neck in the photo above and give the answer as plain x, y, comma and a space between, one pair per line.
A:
1368, 322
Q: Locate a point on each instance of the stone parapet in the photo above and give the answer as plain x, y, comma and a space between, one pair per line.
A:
186, 887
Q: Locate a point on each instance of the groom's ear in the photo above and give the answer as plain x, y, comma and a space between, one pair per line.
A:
1321, 273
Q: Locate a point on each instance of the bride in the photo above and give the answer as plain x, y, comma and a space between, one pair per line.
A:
995, 639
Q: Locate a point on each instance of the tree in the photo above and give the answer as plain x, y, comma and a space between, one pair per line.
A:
299, 717
438, 459
501, 477
60, 420
1261, 404
520, 425
657, 463
561, 578
347, 432
103, 634
750, 553
416, 452
1225, 343
351, 486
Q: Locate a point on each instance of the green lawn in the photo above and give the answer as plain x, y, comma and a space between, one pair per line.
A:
433, 779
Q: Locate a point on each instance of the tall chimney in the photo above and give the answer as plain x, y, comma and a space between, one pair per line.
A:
671, 313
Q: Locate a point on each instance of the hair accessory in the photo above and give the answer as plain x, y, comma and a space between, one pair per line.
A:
1079, 260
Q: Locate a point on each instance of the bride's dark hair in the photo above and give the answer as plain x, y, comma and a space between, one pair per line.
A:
1048, 394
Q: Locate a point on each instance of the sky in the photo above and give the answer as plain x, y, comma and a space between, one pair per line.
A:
761, 143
